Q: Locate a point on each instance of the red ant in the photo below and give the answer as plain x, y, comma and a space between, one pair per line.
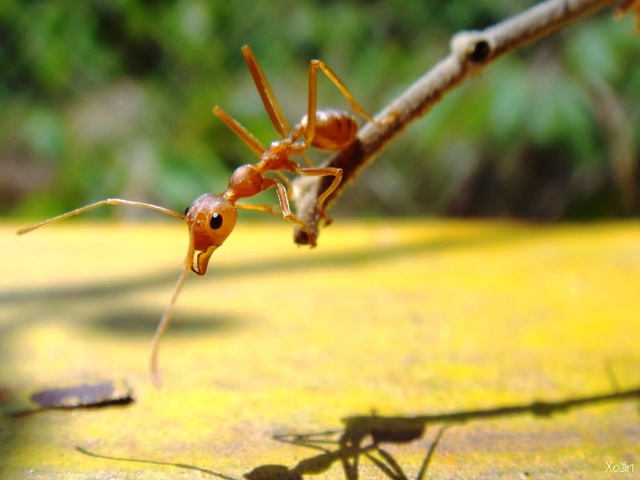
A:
211, 217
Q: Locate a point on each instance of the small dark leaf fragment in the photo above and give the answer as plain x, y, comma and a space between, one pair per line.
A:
84, 395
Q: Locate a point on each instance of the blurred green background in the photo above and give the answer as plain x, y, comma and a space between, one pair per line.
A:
113, 98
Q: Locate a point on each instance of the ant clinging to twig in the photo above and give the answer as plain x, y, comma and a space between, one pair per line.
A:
211, 218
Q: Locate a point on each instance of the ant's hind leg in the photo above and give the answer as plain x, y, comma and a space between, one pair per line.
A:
331, 75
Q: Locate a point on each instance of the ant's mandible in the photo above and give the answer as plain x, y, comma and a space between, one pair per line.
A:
211, 218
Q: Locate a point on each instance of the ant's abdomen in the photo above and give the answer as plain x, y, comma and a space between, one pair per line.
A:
335, 130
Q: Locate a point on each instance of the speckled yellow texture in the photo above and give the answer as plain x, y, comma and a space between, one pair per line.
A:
402, 318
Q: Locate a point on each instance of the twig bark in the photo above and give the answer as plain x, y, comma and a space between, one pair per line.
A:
470, 52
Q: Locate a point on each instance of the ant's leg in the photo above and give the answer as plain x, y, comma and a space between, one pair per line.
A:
331, 75
307, 160
243, 134
319, 172
259, 208
430, 452
286, 211
312, 104
287, 183
284, 205
108, 201
314, 441
388, 465
269, 100
310, 128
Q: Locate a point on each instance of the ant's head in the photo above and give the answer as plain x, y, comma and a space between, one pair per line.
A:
211, 219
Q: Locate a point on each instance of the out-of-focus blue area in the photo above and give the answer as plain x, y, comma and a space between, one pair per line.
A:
113, 99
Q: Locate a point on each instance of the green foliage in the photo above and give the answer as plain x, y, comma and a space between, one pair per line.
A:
113, 98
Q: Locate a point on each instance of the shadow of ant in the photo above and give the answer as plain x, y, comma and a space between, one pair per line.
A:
349, 458
364, 438
350, 453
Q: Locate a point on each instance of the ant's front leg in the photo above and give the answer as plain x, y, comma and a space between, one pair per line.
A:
283, 199
319, 172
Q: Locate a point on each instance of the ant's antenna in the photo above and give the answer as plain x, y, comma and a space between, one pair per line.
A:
164, 321
108, 201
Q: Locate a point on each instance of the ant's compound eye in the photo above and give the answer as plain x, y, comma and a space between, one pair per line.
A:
186, 210
216, 221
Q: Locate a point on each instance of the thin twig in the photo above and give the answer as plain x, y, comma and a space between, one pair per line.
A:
470, 52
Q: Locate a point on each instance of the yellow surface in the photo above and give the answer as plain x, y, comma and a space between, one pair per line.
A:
404, 319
